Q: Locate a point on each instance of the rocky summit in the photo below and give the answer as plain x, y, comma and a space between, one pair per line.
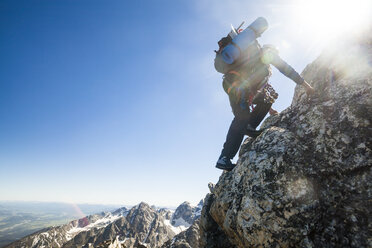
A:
306, 181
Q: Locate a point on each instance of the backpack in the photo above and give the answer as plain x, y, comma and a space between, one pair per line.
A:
222, 67
219, 64
236, 43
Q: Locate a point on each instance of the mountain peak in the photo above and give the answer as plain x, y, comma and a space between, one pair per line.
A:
140, 226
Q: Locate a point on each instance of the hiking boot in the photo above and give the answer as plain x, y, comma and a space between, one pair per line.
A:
224, 163
252, 132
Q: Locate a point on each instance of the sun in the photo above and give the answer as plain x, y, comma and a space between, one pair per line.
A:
325, 19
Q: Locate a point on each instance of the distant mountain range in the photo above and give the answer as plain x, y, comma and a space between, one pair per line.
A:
139, 226
18, 219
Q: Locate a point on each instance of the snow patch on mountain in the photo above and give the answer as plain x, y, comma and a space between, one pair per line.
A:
100, 223
176, 229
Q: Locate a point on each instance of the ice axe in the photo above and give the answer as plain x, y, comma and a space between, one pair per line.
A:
234, 31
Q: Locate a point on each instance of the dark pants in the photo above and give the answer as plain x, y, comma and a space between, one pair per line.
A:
239, 124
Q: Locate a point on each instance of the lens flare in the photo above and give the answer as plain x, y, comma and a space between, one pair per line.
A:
325, 19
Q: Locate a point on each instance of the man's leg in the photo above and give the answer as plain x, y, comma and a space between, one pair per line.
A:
231, 146
234, 137
259, 113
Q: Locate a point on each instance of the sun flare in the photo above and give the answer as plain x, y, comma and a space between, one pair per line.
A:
325, 19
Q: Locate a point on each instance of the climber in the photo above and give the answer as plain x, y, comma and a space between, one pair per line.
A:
250, 95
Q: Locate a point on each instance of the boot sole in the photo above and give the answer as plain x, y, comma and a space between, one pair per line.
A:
224, 167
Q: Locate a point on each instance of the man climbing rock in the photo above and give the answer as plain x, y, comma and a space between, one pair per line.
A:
246, 68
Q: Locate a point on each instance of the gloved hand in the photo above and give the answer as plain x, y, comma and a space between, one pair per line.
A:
273, 111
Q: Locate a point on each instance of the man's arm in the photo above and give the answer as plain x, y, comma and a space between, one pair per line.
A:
270, 56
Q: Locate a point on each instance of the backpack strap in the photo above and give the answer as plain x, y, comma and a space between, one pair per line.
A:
235, 83
234, 72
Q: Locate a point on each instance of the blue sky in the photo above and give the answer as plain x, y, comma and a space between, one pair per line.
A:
118, 101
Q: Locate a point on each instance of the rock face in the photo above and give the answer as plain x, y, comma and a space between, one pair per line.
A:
211, 235
306, 181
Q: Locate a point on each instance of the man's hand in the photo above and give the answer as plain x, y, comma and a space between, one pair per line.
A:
309, 90
273, 111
